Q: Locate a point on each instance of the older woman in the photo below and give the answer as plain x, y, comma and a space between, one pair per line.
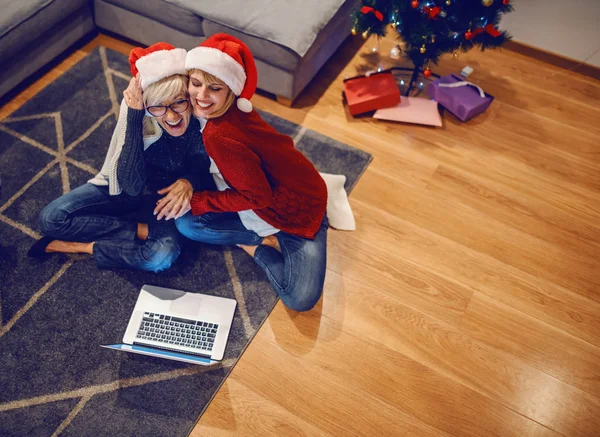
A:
156, 154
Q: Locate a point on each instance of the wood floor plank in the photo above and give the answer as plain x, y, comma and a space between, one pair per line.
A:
317, 395
238, 411
536, 130
577, 198
357, 357
488, 236
534, 296
539, 344
530, 214
432, 294
375, 316
549, 106
403, 165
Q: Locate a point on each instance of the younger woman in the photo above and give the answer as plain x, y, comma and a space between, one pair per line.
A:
271, 199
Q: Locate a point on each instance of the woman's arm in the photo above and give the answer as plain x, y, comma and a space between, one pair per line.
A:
241, 169
131, 170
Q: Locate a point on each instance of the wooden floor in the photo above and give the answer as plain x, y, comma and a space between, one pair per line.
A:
467, 302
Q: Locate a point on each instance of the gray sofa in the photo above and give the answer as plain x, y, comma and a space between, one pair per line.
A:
290, 39
34, 32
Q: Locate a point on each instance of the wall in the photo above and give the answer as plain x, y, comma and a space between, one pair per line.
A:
566, 27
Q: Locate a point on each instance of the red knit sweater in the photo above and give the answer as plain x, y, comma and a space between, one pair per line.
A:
265, 173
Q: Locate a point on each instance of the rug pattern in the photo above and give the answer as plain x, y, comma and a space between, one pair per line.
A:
54, 313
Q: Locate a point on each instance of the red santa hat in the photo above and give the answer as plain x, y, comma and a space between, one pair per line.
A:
156, 62
228, 59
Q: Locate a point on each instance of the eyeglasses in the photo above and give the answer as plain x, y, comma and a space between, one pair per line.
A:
159, 110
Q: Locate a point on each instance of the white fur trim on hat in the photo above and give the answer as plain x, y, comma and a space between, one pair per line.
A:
158, 65
219, 64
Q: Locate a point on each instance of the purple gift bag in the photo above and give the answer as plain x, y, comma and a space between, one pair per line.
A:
461, 98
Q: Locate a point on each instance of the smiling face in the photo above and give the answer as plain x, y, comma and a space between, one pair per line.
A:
210, 98
170, 91
175, 123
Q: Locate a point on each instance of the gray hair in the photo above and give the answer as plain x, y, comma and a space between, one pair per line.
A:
165, 89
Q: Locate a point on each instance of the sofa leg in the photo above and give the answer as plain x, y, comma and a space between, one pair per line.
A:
285, 101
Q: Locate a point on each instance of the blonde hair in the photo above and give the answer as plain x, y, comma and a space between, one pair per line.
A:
210, 80
161, 91
165, 89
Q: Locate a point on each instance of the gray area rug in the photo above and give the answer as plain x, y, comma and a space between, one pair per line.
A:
55, 379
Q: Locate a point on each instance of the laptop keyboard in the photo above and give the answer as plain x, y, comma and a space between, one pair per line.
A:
177, 331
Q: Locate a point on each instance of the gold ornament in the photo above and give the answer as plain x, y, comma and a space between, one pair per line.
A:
365, 34
432, 39
353, 31
448, 2
422, 49
455, 54
487, 3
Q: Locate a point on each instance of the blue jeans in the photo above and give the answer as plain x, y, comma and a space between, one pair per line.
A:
297, 272
89, 213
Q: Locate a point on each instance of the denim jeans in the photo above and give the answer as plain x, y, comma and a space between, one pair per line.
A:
297, 272
89, 213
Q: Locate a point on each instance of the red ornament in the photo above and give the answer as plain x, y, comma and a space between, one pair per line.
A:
366, 9
469, 35
432, 13
414, 4
427, 72
505, 2
489, 29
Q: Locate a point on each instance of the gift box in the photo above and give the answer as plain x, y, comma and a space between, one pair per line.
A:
365, 94
415, 110
463, 99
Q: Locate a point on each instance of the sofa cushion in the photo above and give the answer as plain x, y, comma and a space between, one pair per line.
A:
22, 21
336, 30
166, 12
14, 12
292, 24
260, 47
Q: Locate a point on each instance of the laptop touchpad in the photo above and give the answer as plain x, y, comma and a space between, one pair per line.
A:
187, 304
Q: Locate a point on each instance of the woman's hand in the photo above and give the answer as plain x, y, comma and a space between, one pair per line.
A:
176, 201
133, 94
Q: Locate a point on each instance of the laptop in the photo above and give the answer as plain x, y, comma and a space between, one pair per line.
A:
180, 326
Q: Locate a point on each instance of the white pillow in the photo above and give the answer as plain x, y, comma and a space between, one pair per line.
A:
339, 212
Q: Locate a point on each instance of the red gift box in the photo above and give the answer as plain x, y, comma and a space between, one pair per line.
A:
377, 91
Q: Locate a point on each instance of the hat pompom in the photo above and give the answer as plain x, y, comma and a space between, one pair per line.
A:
244, 105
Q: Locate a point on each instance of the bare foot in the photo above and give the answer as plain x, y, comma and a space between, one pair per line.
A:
272, 241
142, 231
70, 247
248, 249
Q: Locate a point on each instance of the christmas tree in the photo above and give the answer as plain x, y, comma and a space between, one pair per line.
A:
432, 27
